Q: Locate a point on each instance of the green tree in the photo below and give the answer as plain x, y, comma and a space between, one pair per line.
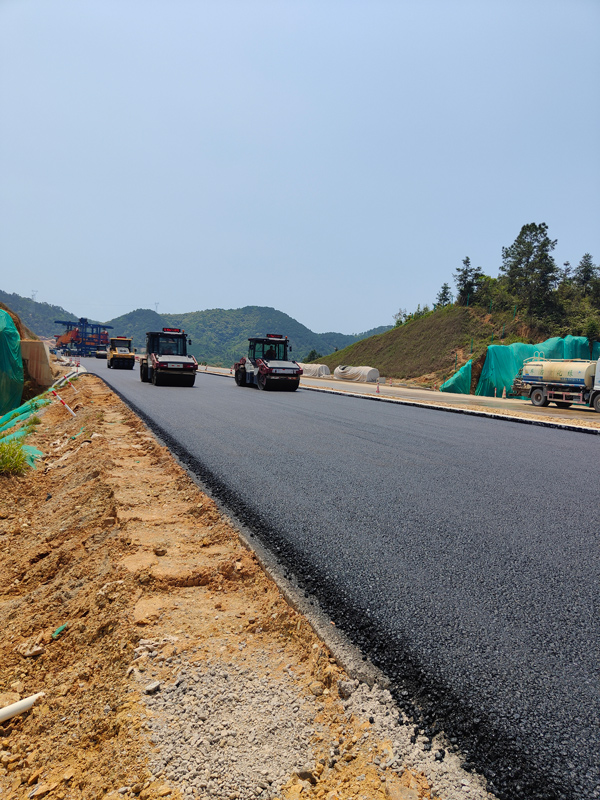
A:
468, 280
566, 273
584, 273
444, 297
400, 317
313, 356
529, 267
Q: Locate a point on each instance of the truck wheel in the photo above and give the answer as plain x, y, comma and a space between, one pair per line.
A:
596, 403
240, 377
107, 364
538, 398
261, 382
143, 372
563, 404
156, 378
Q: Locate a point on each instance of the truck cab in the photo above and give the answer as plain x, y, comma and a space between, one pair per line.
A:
166, 360
119, 353
268, 365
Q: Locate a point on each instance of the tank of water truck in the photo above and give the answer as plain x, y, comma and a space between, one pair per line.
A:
573, 373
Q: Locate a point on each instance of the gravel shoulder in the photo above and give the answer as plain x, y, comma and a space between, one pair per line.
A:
182, 671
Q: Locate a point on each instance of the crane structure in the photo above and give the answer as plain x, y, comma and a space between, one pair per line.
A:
82, 337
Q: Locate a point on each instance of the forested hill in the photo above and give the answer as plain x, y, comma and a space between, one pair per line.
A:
220, 336
39, 317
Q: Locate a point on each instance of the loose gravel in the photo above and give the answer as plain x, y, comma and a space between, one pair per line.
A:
227, 731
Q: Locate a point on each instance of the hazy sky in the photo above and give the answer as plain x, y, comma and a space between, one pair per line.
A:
334, 159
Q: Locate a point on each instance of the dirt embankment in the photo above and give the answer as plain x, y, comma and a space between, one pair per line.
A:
110, 538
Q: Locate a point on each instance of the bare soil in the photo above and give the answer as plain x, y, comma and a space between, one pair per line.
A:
111, 538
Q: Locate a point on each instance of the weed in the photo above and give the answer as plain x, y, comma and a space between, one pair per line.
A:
12, 458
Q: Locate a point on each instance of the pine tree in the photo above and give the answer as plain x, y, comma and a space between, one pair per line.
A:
585, 272
529, 267
444, 297
468, 280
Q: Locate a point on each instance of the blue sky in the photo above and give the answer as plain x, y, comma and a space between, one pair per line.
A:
333, 159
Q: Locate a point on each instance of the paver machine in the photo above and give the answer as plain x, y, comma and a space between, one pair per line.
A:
166, 360
268, 365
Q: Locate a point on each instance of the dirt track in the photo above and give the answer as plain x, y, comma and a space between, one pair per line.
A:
110, 537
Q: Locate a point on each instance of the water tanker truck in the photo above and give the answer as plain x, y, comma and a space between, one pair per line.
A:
560, 381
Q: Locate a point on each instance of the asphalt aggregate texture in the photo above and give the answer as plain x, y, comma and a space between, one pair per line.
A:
461, 554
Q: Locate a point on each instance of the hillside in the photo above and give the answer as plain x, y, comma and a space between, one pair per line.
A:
39, 317
136, 323
219, 335
428, 347
24, 331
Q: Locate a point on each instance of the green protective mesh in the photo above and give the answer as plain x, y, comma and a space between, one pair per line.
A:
503, 362
460, 382
11, 364
20, 434
21, 413
31, 454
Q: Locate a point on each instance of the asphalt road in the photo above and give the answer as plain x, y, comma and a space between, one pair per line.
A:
462, 554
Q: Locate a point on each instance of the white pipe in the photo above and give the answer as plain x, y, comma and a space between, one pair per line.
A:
18, 708
66, 377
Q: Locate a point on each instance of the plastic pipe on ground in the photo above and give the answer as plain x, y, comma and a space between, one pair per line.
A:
18, 708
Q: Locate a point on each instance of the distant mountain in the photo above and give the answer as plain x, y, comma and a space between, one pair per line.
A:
136, 324
219, 336
37, 316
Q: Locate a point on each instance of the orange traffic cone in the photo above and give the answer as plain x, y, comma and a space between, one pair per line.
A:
377, 390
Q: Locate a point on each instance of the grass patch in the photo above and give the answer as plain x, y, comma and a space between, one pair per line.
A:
13, 460
435, 345
32, 422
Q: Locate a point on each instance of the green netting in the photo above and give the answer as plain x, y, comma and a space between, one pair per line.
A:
503, 362
31, 454
20, 434
460, 382
11, 364
22, 413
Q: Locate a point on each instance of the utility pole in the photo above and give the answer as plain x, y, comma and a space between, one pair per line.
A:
156, 305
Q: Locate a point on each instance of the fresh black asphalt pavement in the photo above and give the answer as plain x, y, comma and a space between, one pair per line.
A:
461, 554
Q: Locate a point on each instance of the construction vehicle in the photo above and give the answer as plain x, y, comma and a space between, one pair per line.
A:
565, 382
166, 360
82, 338
268, 365
119, 354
